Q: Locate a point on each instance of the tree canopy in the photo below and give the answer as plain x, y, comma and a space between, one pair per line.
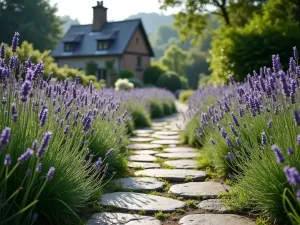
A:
35, 20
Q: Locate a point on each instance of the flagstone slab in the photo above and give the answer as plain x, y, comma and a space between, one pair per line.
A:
213, 205
159, 124
143, 131
198, 189
215, 219
146, 152
172, 174
143, 134
106, 218
140, 202
182, 164
178, 155
142, 158
143, 146
180, 149
167, 133
140, 183
140, 139
143, 165
165, 137
158, 128
166, 142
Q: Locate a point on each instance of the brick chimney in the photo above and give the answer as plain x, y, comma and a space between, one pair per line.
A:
99, 16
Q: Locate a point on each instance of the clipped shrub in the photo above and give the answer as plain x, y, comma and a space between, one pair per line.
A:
152, 73
123, 85
184, 82
125, 74
91, 68
168, 108
156, 109
169, 80
140, 116
137, 83
185, 96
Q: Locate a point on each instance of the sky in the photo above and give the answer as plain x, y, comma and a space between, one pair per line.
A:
117, 9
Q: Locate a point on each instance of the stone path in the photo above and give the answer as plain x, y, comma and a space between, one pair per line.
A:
145, 192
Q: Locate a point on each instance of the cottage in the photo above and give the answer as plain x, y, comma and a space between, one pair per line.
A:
112, 46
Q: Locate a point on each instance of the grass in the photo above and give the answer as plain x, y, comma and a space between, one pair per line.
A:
191, 204
162, 216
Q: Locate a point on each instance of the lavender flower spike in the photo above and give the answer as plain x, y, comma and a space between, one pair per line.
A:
15, 42
296, 56
229, 143
7, 160
212, 142
25, 90
25, 156
5, 136
290, 151
263, 138
98, 164
39, 168
298, 140
297, 118
44, 144
292, 175
109, 152
2, 51
50, 173
278, 154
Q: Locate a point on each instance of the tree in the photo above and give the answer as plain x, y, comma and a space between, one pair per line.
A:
35, 20
175, 59
193, 19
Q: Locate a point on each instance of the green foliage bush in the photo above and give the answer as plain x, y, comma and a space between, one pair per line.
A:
168, 108
239, 51
137, 83
156, 109
188, 134
91, 68
184, 96
125, 74
140, 115
152, 73
169, 80
184, 82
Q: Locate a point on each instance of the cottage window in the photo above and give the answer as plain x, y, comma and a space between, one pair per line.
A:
102, 45
139, 62
68, 47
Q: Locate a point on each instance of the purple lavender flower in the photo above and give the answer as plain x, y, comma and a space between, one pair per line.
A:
226, 107
292, 175
290, 151
39, 168
91, 87
25, 90
7, 160
49, 78
278, 154
25, 156
66, 129
68, 114
109, 152
284, 85
50, 173
229, 143
298, 140
298, 195
231, 79
98, 163
2, 51
28, 172
105, 169
296, 118
76, 79
35, 217
235, 120
15, 42
269, 124
241, 112
38, 71
44, 144
223, 133
263, 138
5, 136
14, 112
74, 91
292, 68
212, 142
233, 131
238, 142
231, 176
44, 118
296, 57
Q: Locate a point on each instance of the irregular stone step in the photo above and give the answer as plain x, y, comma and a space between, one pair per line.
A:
143, 146
215, 219
159, 124
213, 205
198, 189
182, 164
143, 134
143, 165
140, 183
167, 133
179, 155
138, 202
106, 218
180, 149
165, 137
141, 139
143, 131
173, 175
166, 142
146, 152
142, 158
158, 128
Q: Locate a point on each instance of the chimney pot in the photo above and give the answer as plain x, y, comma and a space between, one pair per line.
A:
100, 16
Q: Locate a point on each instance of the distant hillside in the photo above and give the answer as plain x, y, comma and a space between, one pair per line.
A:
152, 21
68, 23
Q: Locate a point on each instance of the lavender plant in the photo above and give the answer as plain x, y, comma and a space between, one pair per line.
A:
250, 132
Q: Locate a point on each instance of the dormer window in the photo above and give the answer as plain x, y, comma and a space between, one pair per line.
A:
68, 47
102, 45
